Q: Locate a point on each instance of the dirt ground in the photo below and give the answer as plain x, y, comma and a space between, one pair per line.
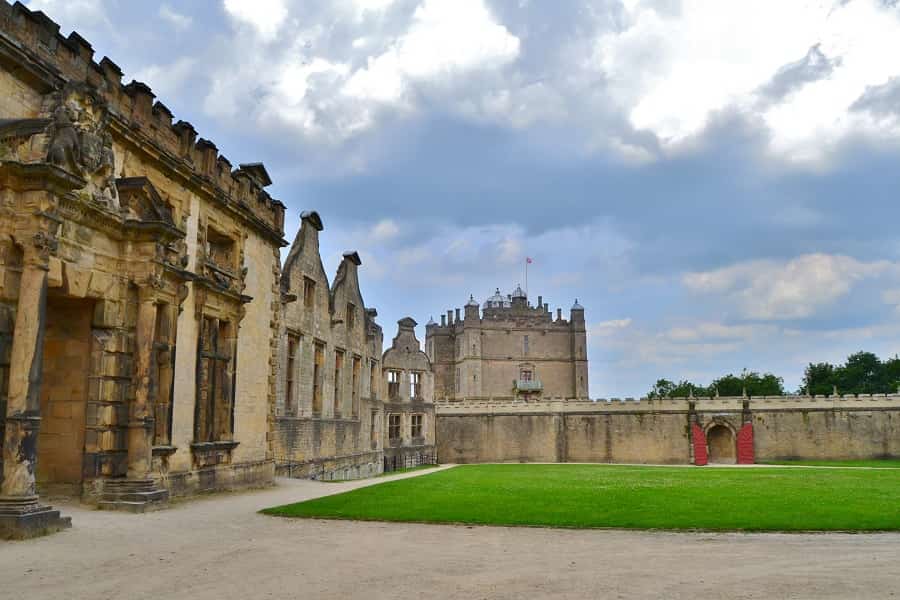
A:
219, 547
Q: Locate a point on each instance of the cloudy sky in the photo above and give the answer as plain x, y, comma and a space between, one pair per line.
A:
716, 181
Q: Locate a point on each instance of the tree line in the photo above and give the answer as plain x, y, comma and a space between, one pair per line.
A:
861, 373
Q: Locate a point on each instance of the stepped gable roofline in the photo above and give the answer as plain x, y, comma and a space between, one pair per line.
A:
33, 39
258, 172
313, 218
352, 256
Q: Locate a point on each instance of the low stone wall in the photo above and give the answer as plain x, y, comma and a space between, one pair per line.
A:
329, 449
668, 431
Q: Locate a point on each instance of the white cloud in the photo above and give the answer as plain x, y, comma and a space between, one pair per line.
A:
607, 328
70, 13
671, 71
167, 80
446, 38
796, 289
385, 230
265, 16
174, 18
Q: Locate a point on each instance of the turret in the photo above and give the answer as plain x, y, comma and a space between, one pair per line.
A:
472, 310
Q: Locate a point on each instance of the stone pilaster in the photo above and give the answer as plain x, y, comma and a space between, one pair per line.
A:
138, 492
21, 514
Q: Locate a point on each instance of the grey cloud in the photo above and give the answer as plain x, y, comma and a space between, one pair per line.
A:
880, 100
793, 76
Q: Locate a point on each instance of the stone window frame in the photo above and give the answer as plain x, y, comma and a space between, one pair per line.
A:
355, 383
292, 372
394, 377
415, 385
416, 421
350, 317
319, 348
373, 378
337, 402
395, 425
208, 411
309, 292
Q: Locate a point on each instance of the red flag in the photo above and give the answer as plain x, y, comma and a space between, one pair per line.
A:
528, 260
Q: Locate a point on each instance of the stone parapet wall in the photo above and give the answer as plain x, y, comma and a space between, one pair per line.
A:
135, 115
660, 430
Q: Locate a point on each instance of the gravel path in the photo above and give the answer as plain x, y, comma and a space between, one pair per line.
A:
218, 547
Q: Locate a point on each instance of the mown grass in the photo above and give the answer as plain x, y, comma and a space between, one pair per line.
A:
587, 496
888, 463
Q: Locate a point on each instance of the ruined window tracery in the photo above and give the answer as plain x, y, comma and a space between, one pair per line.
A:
214, 399
290, 387
393, 384
338, 381
415, 386
318, 374
163, 375
354, 391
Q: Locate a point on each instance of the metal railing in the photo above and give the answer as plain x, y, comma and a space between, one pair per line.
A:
408, 461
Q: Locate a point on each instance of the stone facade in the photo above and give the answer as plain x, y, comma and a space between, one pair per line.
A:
409, 402
510, 349
138, 281
332, 415
329, 408
670, 431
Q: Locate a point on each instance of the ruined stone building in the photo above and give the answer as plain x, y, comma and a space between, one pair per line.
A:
139, 280
332, 382
508, 349
328, 408
409, 405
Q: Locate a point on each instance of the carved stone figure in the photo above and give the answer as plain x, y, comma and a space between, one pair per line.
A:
80, 143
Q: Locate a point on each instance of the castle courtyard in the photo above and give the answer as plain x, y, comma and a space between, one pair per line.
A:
220, 546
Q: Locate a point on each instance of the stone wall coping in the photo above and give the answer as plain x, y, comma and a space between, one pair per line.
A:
614, 405
64, 59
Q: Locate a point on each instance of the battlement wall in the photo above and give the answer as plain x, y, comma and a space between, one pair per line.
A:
56, 59
659, 430
494, 405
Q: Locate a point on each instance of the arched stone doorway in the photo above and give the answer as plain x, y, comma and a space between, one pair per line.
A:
721, 445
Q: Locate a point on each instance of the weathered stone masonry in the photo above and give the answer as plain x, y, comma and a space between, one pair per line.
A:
138, 281
332, 419
670, 431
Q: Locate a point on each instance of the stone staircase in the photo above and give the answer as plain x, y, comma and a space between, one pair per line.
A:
133, 495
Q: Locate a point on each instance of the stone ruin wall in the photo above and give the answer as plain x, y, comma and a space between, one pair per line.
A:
660, 431
201, 186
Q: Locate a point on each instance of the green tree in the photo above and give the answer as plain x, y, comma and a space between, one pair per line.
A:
819, 379
755, 384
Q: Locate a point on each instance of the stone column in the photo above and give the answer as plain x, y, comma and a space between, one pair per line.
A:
21, 515
140, 424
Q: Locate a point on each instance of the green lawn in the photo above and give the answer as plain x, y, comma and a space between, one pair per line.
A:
887, 463
757, 499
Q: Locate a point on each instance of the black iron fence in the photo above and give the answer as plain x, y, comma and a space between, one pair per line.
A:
409, 460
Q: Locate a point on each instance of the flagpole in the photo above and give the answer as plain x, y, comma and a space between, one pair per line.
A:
526, 276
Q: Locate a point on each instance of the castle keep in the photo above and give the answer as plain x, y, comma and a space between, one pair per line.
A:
508, 349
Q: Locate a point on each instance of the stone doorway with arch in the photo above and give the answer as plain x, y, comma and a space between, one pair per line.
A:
721, 443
